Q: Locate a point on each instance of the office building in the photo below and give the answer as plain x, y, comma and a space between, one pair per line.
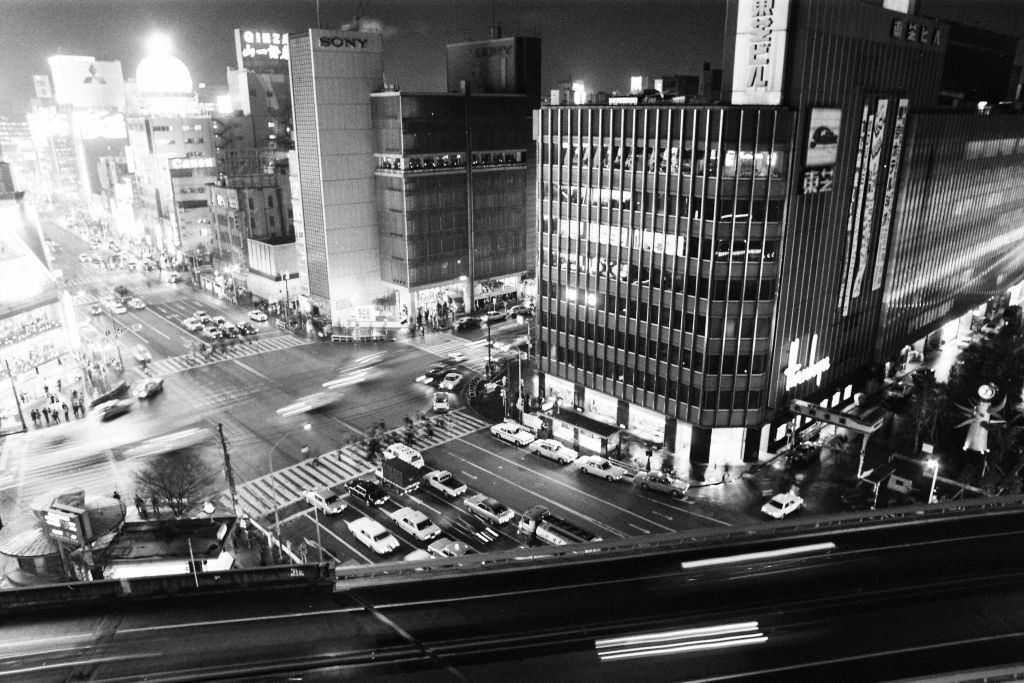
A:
766, 250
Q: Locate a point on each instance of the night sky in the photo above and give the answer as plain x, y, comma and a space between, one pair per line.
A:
601, 42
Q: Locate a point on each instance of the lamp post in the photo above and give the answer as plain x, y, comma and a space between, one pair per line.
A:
273, 487
933, 464
287, 295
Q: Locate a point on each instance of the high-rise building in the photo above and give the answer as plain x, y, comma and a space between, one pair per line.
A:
704, 267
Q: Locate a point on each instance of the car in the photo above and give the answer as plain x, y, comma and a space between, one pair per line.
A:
447, 547
136, 303
450, 382
96, 310
662, 483
440, 403
370, 492
173, 278
455, 357
898, 390
466, 323
258, 316
191, 324
118, 308
513, 432
520, 343
602, 467
489, 509
111, 409
151, 387
320, 399
782, 504
923, 376
213, 332
493, 316
219, 321
416, 524
201, 315
229, 331
373, 535
444, 482
326, 501
141, 354
247, 329
417, 556
521, 310
552, 450
434, 373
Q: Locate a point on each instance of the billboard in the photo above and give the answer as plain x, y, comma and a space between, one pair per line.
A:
262, 51
760, 51
822, 146
41, 82
87, 83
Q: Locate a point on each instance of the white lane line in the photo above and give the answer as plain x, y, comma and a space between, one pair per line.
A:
240, 620
563, 485
639, 528
173, 324
655, 512
252, 370
346, 544
465, 473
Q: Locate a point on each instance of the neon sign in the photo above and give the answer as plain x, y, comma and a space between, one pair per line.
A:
796, 374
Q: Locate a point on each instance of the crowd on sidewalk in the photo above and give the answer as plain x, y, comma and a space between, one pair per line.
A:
56, 405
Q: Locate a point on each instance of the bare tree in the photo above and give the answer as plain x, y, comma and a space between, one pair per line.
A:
179, 477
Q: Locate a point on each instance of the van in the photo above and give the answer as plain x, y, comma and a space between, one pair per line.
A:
405, 453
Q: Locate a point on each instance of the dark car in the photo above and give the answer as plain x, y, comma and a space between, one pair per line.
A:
923, 376
247, 328
522, 311
435, 373
466, 323
492, 316
367, 491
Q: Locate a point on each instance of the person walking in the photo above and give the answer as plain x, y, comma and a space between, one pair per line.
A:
64, 406
156, 506
46, 415
55, 415
140, 507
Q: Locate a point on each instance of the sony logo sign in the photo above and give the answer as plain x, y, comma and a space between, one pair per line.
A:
337, 41
493, 51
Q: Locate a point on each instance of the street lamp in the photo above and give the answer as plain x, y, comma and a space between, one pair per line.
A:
273, 487
287, 295
933, 464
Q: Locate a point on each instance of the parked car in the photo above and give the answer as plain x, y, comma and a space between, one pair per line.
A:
662, 483
446, 547
602, 467
782, 504
489, 509
416, 524
466, 323
450, 382
150, 388
369, 492
444, 482
440, 403
326, 501
111, 409
258, 316
553, 450
373, 535
513, 432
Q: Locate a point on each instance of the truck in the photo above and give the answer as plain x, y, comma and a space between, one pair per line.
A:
399, 474
538, 525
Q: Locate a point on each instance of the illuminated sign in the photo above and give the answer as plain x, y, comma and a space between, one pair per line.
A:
870, 191
67, 524
338, 41
853, 223
917, 31
87, 83
192, 162
796, 373
261, 50
42, 86
760, 51
889, 199
822, 147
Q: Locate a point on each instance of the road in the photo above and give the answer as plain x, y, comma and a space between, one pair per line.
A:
899, 599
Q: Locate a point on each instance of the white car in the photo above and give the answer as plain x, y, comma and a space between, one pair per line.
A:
373, 535
446, 547
450, 382
489, 509
602, 467
441, 404
782, 505
513, 433
258, 316
553, 450
457, 357
443, 481
136, 303
142, 354
191, 324
325, 500
119, 309
415, 523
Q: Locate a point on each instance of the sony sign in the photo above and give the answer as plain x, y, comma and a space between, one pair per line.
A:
796, 373
338, 41
760, 51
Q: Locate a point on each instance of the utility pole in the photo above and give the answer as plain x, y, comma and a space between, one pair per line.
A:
227, 470
17, 398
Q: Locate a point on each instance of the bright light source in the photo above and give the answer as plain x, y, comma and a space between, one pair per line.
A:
684, 640
591, 299
224, 104
765, 555
159, 44
307, 426
571, 294
636, 83
932, 463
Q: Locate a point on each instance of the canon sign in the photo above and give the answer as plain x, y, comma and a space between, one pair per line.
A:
338, 41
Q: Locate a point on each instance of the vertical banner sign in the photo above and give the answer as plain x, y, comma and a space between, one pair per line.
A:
853, 224
760, 51
42, 86
870, 192
889, 200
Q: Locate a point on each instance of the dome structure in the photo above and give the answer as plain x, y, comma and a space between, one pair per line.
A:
163, 74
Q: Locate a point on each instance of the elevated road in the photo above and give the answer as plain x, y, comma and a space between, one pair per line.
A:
897, 597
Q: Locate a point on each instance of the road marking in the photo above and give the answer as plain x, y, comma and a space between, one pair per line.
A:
655, 512
638, 528
465, 473
559, 483
347, 545
252, 370
239, 620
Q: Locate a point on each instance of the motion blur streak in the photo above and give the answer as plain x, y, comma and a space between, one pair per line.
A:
755, 557
674, 642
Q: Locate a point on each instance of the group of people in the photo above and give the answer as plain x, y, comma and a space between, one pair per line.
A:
51, 414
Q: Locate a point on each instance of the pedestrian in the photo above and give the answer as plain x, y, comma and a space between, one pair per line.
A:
55, 415
46, 388
59, 386
117, 496
140, 506
64, 406
156, 506
46, 414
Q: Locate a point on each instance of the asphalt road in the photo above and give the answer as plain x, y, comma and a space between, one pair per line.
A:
911, 600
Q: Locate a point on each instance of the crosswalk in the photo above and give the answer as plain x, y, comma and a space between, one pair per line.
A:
285, 486
444, 343
242, 349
